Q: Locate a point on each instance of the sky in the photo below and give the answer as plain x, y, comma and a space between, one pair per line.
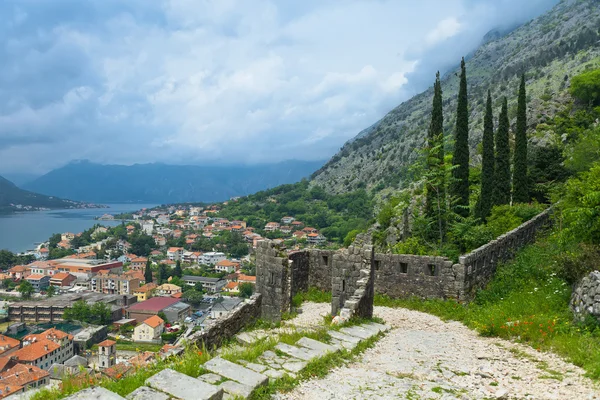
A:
219, 82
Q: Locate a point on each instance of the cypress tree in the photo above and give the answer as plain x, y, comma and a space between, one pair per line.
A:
487, 163
148, 272
459, 188
436, 186
501, 191
177, 271
520, 186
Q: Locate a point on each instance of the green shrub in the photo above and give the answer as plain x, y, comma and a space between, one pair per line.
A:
574, 264
411, 245
586, 87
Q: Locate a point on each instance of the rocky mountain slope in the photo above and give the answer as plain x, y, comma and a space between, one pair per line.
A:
549, 50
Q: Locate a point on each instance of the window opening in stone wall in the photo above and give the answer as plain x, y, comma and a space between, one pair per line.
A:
403, 268
377, 265
431, 269
343, 285
272, 280
325, 260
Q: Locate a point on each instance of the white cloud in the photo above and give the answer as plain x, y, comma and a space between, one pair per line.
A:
197, 81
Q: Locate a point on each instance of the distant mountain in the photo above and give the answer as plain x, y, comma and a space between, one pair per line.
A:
13, 199
19, 178
160, 183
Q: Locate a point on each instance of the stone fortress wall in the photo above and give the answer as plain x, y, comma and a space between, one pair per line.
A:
352, 274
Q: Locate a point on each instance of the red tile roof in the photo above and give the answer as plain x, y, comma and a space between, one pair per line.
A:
153, 321
107, 343
155, 304
35, 350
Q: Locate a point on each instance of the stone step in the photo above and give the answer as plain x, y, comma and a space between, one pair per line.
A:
316, 345
95, 393
248, 338
236, 389
343, 344
380, 327
299, 352
236, 372
146, 393
183, 387
344, 337
359, 332
294, 366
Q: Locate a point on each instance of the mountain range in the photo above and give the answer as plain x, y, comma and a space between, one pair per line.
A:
160, 183
13, 198
548, 50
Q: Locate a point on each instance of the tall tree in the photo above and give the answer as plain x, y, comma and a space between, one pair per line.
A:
501, 191
177, 271
435, 205
459, 187
487, 162
148, 272
520, 178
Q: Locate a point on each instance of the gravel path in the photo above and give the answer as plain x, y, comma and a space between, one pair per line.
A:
423, 357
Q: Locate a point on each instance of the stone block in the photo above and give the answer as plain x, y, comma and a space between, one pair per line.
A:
183, 387
294, 366
213, 379
236, 372
301, 353
236, 389
359, 332
146, 393
95, 393
316, 345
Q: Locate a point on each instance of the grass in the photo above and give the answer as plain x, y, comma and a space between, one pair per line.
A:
312, 294
527, 302
138, 347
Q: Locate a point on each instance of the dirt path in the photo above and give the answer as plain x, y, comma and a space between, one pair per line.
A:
423, 357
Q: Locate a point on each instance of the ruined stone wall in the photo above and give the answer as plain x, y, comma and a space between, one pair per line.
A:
273, 278
320, 262
346, 272
480, 264
227, 326
399, 275
360, 302
585, 299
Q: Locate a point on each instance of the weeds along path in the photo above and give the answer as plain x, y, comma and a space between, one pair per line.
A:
423, 357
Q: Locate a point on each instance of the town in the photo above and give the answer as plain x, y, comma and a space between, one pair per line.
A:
117, 298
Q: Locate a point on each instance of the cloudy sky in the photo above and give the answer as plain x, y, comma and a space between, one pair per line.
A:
223, 81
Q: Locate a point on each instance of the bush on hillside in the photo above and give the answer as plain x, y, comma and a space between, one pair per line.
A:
586, 87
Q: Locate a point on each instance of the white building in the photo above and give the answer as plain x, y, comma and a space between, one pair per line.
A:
212, 257
148, 228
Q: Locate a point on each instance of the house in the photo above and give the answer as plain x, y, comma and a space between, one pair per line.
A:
62, 279
144, 292
141, 311
285, 229
237, 228
271, 226
44, 349
308, 230
148, 228
224, 307
238, 222
209, 285
177, 312
287, 220
160, 240
246, 278
315, 238
212, 257
297, 224
22, 377
39, 282
167, 289
299, 235
42, 253
115, 283
175, 253
149, 330
193, 257
231, 287
8, 345
19, 272
227, 266
139, 263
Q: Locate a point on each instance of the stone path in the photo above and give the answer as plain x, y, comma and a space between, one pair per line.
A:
423, 357
227, 379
